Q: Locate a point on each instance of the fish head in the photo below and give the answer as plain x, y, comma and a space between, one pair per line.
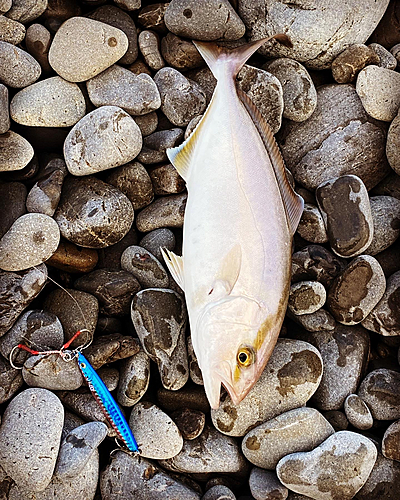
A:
234, 343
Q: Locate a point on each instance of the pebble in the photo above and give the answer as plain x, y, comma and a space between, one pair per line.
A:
11, 31
385, 212
324, 146
383, 482
13, 196
264, 485
25, 173
181, 99
129, 4
378, 89
315, 322
145, 267
159, 317
82, 48
139, 478
384, 318
105, 138
386, 59
290, 378
152, 16
167, 211
134, 181
344, 352
156, 144
357, 290
31, 240
112, 15
337, 468
194, 369
379, 390
4, 110
192, 397
319, 32
306, 297
301, 429
134, 379
393, 144
314, 262
192, 125
78, 447
337, 419
110, 257
157, 239
109, 348
30, 461
147, 123
17, 68
26, 11
190, 422
391, 441
17, 291
357, 412
10, 381
352, 233
149, 45
15, 151
5, 5
210, 452
219, 492
311, 226
92, 213
72, 259
113, 289
351, 61
206, 80
299, 94
157, 435
117, 86
53, 102
38, 41
179, 53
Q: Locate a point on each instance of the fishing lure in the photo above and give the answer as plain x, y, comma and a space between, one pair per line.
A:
97, 387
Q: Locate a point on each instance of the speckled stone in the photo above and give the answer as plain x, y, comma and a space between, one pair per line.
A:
159, 317
315, 322
156, 144
133, 180
82, 48
190, 422
117, 86
31, 240
68, 257
145, 267
30, 462
386, 59
379, 92
25, 11
337, 419
5, 5
219, 492
31, 169
357, 412
384, 318
357, 290
291, 376
311, 226
105, 138
210, 20
92, 213
10, 381
149, 44
38, 41
129, 4
306, 297
379, 390
109, 348
351, 61
264, 485
315, 262
13, 197
134, 379
393, 144
301, 429
4, 110
11, 31
181, 99
391, 441
338, 468
15, 151
147, 123
299, 94
157, 239
141, 479
179, 53
167, 211
152, 17
383, 482
385, 212
17, 68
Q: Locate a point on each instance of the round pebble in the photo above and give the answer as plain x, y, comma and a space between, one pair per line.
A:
264, 485
156, 144
357, 412
147, 123
219, 492
337, 419
11, 31
190, 422
379, 390
311, 226
385, 211
306, 297
351, 61
391, 441
25, 11
145, 267
393, 144
149, 44
314, 262
134, 379
68, 257
166, 211
179, 53
383, 482
386, 59
157, 239
17, 68
109, 348
38, 40
15, 151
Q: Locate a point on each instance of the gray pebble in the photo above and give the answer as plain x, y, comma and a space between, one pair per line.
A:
385, 212
299, 94
159, 317
317, 263
10, 381
110, 377
315, 322
92, 213
25, 11
52, 372
181, 99
145, 267
179, 53
194, 369
149, 45
15, 151
147, 123
13, 197
167, 211
379, 390
128, 4
289, 379
301, 429
383, 482
395, 51
306, 297
11, 31
357, 412
357, 290
38, 41
338, 468
264, 485
337, 419
82, 48
190, 422
393, 145
4, 110
156, 144
17, 68
105, 138
351, 61
386, 59
112, 347
206, 80
219, 492
30, 461
157, 239
391, 441
134, 379
311, 226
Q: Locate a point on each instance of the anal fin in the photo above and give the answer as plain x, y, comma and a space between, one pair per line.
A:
175, 266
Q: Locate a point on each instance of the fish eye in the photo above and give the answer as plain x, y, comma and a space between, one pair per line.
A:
245, 356
83, 365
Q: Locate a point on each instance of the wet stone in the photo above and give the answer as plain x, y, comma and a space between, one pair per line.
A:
338, 468
351, 234
167, 211
383, 482
159, 317
15, 151
357, 412
357, 290
351, 61
219, 492
152, 17
109, 348
289, 379
179, 53
379, 390
386, 59
4, 110
11, 31
384, 318
157, 239
145, 267
311, 226
105, 138
147, 123
156, 144
301, 429
25, 11
264, 485
149, 45
181, 99
82, 48
337, 419
306, 297
92, 213
210, 20
17, 68
133, 180
38, 41
190, 422
391, 441
10, 381
68, 257
385, 212
113, 289
13, 196
117, 86
393, 145
299, 94
30, 462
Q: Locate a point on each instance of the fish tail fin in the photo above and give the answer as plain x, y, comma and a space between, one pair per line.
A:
221, 58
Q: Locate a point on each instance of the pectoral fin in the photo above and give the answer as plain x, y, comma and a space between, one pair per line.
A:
175, 266
228, 272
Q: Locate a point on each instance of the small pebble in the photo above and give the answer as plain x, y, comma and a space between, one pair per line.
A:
188, 397
11, 31
357, 412
157, 239
314, 262
147, 123
17, 68
134, 379
306, 297
156, 144
383, 482
38, 41
190, 422
337, 419
351, 61
311, 226
15, 151
391, 441
109, 348
393, 144
149, 45
219, 492
72, 259
179, 53
26, 11
385, 212
386, 59
315, 322
4, 110
152, 17
379, 390
128, 4
167, 211
145, 267
264, 485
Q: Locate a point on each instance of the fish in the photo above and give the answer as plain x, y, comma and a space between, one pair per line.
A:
239, 221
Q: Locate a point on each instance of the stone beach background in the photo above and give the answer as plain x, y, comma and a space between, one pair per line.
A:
92, 92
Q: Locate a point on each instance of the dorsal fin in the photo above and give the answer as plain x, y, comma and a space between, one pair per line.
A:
175, 266
292, 202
